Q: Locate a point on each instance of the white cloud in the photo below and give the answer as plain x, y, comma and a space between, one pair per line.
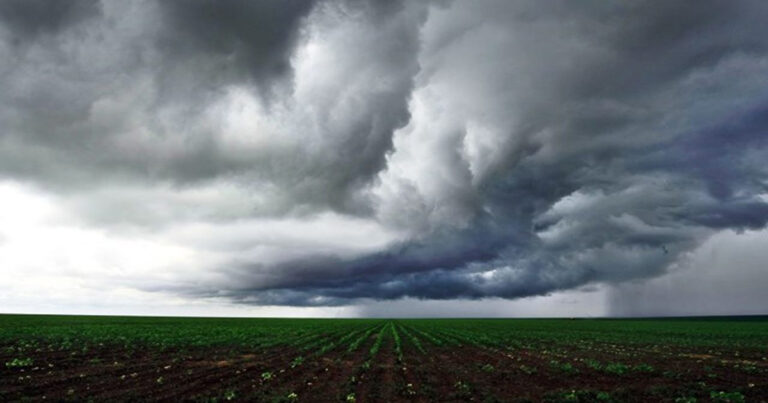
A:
50, 262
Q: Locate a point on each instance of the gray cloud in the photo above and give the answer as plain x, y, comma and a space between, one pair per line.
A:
232, 41
147, 101
723, 276
29, 19
499, 149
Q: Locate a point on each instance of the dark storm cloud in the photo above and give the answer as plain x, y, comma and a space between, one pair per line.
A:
650, 193
504, 149
145, 101
256, 38
719, 155
26, 19
162, 58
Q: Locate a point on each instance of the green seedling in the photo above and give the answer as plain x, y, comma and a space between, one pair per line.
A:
297, 361
19, 362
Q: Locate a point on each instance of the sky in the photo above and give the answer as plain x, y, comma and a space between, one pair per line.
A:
384, 158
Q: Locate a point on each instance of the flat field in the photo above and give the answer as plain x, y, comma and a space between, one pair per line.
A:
363, 360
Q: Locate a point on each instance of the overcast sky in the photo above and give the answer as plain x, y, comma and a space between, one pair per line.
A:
384, 158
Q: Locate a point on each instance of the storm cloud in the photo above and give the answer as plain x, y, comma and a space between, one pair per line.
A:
318, 153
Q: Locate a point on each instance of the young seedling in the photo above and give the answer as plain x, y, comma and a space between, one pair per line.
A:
462, 389
297, 361
398, 345
528, 370
19, 362
730, 397
616, 368
567, 367
643, 368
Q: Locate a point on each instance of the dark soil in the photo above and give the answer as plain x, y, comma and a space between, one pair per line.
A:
446, 373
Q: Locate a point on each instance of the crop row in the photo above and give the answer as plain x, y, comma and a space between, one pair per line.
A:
65, 333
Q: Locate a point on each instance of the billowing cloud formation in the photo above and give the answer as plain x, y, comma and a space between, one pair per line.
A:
316, 153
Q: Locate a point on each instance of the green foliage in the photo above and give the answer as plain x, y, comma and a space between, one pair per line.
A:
379, 339
230, 394
413, 339
23, 333
566, 367
462, 389
732, 397
431, 338
357, 342
398, 344
570, 396
19, 362
594, 364
81, 334
579, 395
511, 348
528, 370
643, 368
616, 368
297, 361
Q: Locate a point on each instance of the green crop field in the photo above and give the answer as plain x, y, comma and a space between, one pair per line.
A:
214, 359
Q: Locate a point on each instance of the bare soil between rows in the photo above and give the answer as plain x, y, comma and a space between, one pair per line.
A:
444, 374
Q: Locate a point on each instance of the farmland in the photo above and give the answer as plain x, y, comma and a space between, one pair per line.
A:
361, 360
